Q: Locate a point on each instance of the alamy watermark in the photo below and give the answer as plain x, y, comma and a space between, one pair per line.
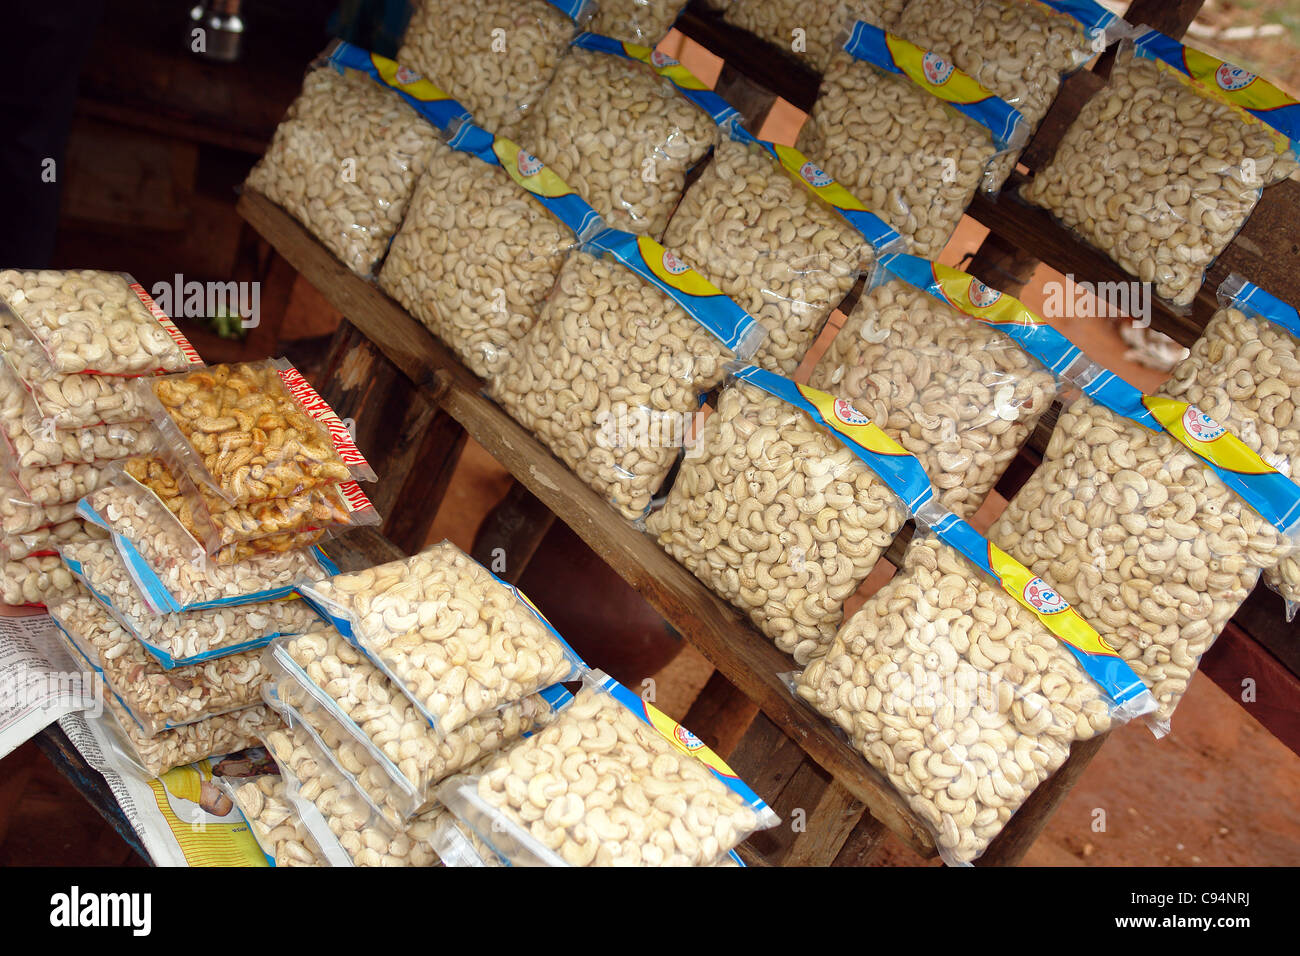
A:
1098, 300
210, 300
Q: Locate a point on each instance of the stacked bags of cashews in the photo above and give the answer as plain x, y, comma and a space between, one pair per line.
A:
72, 343
809, 29
1164, 165
908, 133
264, 803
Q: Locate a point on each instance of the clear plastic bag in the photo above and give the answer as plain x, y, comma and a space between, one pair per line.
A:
777, 517
458, 845
494, 56
47, 540
53, 486
783, 255
607, 785
959, 395
620, 136
957, 694
34, 580
156, 700
355, 834
344, 162
1159, 174
809, 29
1143, 540
1019, 50
18, 514
458, 642
609, 379
272, 819
253, 431
187, 638
234, 533
95, 444
170, 568
100, 323
333, 684
644, 22
475, 258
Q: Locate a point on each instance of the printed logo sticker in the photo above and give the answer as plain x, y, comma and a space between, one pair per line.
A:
687, 739
662, 60
815, 175
1043, 598
528, 164
674, 265
1200, 425
936, 68
980, 295
847, 414
1233, 78
405, 75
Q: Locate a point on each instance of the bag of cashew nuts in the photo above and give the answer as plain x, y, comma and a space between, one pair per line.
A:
1244, 372
475, 258
170, 568
253, 431
229, 534
457, 641
610, 782
619, 135
777, 517
1145, 541
344, 162
771, 245
644, 22
495, 56
960, 396
333, 685
95, 323
56, 485
959, 695
191, 637
19, 515
344, 826
458, 845
46, 540
264, 804
908, 134
1164, 164
610, 375
156, 700
1019, 49
809, 29
34, 580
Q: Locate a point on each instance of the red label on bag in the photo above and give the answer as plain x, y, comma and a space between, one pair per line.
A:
354, 497
319, 409
191, 354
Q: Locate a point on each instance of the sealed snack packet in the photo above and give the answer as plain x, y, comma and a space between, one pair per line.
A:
616, 783
1164, 165
456, 640
264, 804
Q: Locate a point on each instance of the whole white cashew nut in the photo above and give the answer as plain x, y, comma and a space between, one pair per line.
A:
265, 804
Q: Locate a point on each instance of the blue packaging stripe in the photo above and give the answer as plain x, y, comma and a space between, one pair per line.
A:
1254, 301
576, 10
1094, 17
440, 111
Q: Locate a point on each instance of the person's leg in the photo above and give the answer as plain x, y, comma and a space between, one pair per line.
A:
42, 46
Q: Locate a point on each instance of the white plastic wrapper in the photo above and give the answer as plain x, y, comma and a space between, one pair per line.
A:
1142, 539
809, 29
601, 786
959, 395
95, 322
783, 255
620, 136
156, 700
458, 642
777, 517
186, 638
344, 162
475, 258
333, 685
264, 803
494, 56
962, 698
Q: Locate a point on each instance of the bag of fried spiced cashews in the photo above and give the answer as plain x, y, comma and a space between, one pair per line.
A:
1165, 163
263, 801
211, 421
1019, 49
170, 568
808, 29
191, 637
333, 685
668, 799
609, 376
345, 827
1194, 514
907, 133
156, 699
1244, 372
495, 56
458, 641
95, 323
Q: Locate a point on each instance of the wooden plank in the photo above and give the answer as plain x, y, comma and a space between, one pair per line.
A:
513, 529
1171, 17
1264, 687
862, 843
720, 715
